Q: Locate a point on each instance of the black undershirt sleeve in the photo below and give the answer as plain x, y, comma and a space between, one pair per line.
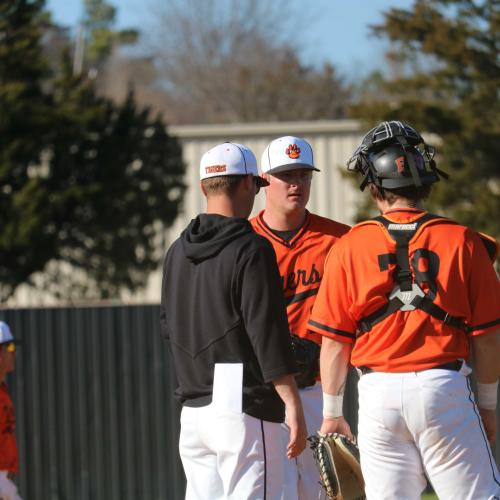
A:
264, 314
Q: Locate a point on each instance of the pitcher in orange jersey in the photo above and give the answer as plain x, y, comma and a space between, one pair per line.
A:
301, 241
403, 297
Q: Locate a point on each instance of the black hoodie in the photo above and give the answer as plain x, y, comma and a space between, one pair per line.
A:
222, 302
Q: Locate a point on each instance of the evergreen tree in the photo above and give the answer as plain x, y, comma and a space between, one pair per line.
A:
83, 181
99, 23
25, 115
446, 53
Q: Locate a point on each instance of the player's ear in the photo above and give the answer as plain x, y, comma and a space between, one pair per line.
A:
202, 188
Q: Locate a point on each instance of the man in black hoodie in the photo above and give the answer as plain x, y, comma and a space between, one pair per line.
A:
223, 314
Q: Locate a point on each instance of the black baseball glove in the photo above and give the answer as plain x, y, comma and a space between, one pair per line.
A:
307, 358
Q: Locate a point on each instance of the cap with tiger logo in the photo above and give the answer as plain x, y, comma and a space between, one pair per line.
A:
287, 153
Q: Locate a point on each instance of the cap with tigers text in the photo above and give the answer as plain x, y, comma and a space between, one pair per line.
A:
230, 159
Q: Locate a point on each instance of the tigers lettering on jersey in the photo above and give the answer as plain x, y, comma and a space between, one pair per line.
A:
301, 261
304, 277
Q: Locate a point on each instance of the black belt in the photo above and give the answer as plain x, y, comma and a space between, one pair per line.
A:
454, 366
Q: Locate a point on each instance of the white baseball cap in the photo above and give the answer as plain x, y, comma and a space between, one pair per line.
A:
287, 153
230, 158
5, 333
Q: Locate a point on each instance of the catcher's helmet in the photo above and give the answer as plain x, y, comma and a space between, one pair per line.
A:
393, 155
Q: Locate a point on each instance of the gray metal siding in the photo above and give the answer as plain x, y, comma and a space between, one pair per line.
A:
96, 418
95, 414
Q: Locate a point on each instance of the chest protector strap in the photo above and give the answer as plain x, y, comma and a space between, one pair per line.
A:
406, 294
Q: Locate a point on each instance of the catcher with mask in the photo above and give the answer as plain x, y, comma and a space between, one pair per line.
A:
402, 298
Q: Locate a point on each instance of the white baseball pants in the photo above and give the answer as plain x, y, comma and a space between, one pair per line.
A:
301, 473
227, 454
8, 489
417, 423
230, 456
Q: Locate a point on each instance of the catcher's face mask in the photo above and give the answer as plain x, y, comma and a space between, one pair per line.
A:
393, 155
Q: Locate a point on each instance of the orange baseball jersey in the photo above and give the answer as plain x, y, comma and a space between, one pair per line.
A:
301, 262
8, 447
448, 259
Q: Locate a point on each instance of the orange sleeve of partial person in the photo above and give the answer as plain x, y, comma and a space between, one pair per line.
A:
8, 447
484, 288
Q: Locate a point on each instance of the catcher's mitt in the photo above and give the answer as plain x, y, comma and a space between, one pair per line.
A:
306, 354
337, 459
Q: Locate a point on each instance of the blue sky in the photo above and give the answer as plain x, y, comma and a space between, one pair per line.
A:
337, 31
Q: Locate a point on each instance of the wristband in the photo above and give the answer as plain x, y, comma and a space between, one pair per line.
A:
332, 405
487, 395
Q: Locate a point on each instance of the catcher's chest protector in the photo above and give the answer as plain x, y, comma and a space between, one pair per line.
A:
407, 294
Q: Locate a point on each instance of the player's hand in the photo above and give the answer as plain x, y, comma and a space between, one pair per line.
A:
489, 419
338, 425
298, 432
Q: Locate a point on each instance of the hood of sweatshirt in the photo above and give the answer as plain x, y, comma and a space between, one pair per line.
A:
208, 234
